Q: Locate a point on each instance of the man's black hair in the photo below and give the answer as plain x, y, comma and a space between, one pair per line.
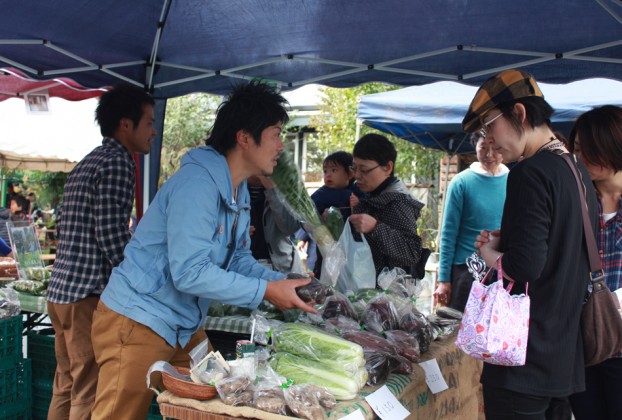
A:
122, 101
251, 107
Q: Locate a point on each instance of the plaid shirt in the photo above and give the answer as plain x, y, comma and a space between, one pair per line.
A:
93, 223
610, 244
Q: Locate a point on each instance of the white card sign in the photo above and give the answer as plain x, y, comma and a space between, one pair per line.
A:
385, 405
433, 376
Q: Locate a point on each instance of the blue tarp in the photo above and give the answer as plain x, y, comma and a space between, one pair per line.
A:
175, 47
431, 115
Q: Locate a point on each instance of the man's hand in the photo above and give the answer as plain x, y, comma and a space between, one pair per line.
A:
282, 294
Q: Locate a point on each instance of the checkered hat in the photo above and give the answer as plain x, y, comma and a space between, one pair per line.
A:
503, 87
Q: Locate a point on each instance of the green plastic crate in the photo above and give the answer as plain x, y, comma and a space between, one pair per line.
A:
11, 340
41, 352
19, 410
15, 383
154, 411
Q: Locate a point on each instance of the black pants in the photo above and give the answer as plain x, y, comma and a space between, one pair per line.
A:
602, 398
461, 281
501, 404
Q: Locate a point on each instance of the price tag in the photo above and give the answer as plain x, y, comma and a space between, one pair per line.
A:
385, 405
433, 376
355, 415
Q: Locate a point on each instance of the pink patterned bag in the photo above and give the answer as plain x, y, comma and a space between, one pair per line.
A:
495, 324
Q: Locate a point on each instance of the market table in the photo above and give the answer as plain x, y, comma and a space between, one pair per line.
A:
34, 309
463, 399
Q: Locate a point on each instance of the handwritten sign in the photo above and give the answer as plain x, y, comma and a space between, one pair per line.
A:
433, 376
385, 405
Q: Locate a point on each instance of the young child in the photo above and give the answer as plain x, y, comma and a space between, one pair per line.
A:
337, 191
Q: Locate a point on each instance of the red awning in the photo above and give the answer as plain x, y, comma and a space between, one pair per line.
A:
14, 84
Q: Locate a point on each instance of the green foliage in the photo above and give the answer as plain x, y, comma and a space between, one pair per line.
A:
186, 124
336, 130
47, 186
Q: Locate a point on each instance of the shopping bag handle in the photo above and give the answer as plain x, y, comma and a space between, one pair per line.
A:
500, 277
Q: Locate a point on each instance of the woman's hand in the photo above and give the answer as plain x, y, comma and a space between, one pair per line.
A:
354, 200
442, 294
487, 243
363, 223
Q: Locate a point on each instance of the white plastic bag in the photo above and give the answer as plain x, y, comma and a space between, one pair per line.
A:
359, 271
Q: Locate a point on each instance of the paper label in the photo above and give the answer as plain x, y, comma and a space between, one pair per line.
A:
433, 376
355, 415
385, 405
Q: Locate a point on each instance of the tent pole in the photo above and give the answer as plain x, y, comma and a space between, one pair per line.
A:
442, 211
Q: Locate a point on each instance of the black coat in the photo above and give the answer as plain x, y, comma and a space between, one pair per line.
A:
543, 245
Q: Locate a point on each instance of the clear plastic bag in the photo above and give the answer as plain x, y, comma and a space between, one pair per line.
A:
359, 270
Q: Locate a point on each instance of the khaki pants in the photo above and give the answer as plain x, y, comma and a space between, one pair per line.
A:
75, 380
124, 350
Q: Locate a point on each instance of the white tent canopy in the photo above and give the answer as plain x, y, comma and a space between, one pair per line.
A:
52, 141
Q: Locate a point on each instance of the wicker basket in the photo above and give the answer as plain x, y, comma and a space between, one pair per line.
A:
187, 389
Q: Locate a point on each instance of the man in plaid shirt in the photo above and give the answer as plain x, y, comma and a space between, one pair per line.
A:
93, 231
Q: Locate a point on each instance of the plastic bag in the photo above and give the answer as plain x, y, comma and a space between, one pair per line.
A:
9, 303
359, 270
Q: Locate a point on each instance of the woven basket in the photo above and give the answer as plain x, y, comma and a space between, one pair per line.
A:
187, 389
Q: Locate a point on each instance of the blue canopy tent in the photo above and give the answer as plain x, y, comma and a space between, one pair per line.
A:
175, 47
431, 115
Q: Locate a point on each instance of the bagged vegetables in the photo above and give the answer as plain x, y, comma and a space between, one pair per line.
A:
343, 385
380, 315
306, 401
337, 305
314, 344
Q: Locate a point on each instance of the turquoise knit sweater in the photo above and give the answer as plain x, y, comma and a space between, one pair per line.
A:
474, 202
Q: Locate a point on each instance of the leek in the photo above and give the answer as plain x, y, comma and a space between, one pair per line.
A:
342, 385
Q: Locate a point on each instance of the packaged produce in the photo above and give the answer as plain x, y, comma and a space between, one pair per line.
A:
9, 303
341, 384
314, 293
336, 305
309, 401
380, 315
32, 287
414, 322
270, 400
234, 390
406, 345
334, 222
314, 344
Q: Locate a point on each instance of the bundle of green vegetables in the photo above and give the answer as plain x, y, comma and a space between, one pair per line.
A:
288, 180
314, 344
343, 386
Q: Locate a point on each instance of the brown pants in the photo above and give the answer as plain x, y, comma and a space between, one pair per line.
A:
125, 349
75, 380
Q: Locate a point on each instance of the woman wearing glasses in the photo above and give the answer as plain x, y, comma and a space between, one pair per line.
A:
540, 244
388, 214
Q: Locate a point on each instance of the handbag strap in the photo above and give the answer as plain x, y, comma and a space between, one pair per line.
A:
592, 250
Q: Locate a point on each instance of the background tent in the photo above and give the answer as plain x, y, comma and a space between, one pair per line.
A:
431, 115
53, 141
174, 47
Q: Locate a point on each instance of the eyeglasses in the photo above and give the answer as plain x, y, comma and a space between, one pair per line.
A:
363, 172
486, 126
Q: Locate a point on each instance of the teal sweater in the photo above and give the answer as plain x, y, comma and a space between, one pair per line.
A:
474, 202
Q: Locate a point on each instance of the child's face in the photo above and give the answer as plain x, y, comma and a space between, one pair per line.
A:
336, 176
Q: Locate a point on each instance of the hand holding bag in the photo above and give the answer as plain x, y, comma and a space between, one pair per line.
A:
495, 324
601, 324
359, 271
